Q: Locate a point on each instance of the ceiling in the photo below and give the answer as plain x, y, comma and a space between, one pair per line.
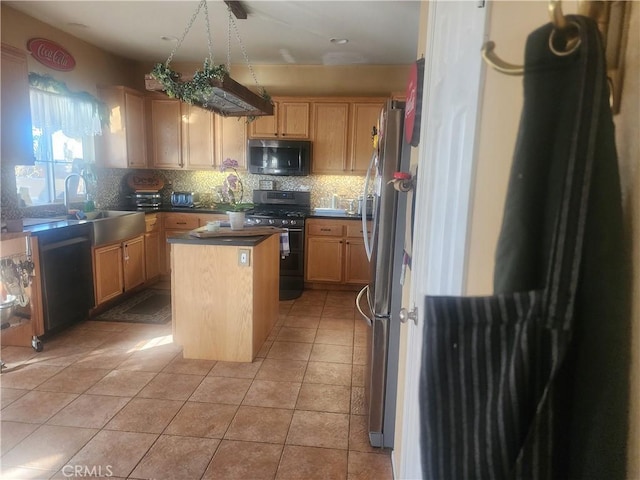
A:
275, 32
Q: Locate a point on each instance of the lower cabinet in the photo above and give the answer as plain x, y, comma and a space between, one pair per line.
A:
152, 246
335, 252
175, 224
118, 268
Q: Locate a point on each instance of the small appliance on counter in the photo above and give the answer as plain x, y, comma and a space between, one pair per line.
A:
145, 193
146, 200
185, 199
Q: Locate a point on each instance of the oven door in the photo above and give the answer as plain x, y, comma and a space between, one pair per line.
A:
293, 264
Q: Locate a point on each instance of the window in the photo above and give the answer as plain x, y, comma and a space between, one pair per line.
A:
43, 183
63, 130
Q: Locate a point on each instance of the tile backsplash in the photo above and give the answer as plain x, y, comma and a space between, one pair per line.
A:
113, 190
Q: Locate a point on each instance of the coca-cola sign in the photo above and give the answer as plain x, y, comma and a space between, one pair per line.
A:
51, 54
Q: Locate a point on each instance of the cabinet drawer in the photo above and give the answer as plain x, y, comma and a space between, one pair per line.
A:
326, 229
151, 221
355, 229
181, 220
211, 217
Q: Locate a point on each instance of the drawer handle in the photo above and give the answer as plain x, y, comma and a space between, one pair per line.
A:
326, 230
181, 223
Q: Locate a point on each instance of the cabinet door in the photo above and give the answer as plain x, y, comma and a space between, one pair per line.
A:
166, 133
324, 259
123, 142
135, 130
197, 138
152, 254
330, 127
364, 117
231, 140
108, 272
17, 139
134, 262
356, 265
293, 120
265, 126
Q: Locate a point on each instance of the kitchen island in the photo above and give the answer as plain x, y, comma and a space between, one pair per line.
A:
224, 294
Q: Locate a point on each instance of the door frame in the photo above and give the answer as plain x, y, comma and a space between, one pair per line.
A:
444, 188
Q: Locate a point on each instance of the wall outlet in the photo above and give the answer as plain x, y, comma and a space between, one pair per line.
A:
244, 257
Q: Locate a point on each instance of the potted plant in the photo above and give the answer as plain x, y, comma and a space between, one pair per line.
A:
233, 193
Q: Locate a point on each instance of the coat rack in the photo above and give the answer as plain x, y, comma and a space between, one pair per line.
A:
613, 22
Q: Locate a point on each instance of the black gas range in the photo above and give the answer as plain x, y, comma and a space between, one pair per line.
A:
280, 208
285, 209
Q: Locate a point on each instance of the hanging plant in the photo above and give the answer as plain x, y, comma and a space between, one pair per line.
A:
194, 90
49, 84
211, 88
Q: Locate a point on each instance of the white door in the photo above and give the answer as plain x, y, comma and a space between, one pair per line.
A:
448, 142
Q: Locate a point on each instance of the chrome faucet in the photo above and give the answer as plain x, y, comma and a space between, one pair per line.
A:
66, 189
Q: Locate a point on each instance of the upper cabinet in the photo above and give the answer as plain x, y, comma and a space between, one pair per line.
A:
330, 137
165, 133
364, 117
342, 134
17, 137
123, 143
231, 140
290, 120
181, 136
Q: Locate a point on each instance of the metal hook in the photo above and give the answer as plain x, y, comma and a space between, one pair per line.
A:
557, 17
569, 34
497, 63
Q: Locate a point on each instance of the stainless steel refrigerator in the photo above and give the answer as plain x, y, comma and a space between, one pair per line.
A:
379, 302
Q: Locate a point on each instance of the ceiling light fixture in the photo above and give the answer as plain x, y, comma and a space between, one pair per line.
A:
339, 41
212, 88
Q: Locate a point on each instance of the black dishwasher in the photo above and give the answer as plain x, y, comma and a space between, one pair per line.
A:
67, 275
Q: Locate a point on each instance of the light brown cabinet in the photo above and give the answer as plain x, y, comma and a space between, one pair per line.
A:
178, 223
198, 138
123, 142
165, 132
181, 135
342, 134
17, 138
330, 137
290, 120
174, 224
231, 140
118, 268
152, 245
364, 116
335, 252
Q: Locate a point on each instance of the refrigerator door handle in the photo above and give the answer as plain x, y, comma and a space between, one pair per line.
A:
368, 242
358, 299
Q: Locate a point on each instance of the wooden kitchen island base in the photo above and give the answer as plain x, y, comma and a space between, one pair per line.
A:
222, 310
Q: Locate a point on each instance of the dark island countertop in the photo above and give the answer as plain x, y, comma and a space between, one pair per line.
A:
232, 241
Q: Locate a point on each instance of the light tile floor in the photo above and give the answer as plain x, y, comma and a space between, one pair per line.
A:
118, 400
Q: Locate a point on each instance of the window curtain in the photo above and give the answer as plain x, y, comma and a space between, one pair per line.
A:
52, 112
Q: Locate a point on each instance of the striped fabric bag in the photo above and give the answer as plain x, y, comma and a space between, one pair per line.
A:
495, 387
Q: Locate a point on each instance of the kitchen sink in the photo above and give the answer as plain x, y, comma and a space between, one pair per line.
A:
110, 226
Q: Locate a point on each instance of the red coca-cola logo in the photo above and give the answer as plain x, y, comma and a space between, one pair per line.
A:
51, 54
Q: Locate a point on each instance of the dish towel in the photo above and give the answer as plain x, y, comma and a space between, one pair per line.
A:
284, 243
532, 382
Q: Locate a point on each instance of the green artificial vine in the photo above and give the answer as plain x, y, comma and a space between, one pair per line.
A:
199, 88
193, 91
49, 84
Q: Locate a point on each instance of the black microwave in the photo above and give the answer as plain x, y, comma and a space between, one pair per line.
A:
279, 157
